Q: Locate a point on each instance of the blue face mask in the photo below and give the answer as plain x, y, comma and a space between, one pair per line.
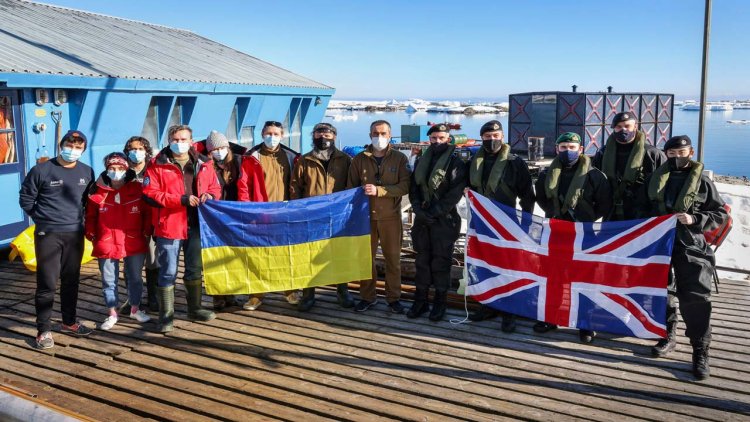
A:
179, 147
71, 155
136, 156
568, 158
116, 176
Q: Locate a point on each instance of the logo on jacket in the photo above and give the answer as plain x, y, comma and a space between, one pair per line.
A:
82, 182
134, 209
56, 183
146, 181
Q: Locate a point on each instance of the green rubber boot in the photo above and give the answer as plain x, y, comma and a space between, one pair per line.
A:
165, 296
194, 295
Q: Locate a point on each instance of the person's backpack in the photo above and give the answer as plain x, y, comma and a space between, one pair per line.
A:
716, 237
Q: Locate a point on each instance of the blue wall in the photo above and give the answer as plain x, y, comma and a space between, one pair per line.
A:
110, 110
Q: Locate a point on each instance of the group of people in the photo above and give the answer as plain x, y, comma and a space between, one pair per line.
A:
142, 210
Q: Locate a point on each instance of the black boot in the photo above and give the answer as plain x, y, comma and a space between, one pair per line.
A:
152, 281
438, 306
342, 293
420, 305
308, 299
165, 296
701, 369
543, 327
586, 336
484, 312
509, 323
666, 345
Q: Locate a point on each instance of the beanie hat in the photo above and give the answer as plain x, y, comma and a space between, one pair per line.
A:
216, 140
115, 158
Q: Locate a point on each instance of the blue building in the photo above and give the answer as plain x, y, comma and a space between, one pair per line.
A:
113, 78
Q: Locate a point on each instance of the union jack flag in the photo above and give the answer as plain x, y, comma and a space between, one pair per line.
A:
608, 276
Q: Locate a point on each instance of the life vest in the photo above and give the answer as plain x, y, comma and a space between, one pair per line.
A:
430, 184
573, 198
496, 174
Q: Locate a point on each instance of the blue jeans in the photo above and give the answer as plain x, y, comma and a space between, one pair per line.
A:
110, 268
168, 256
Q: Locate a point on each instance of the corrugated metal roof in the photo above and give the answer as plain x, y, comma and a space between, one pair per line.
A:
45, 39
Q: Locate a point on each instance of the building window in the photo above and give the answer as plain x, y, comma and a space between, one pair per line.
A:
8, 152
150, 129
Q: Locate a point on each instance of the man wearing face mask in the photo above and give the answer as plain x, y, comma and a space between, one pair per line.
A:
53, 194
229, 169
382, 172
572, 189
680, 187
177, 181
321, 171
626, 159
504, 177
273, 161
139, 152
437, 185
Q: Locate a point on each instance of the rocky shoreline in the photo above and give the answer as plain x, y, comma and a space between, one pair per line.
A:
732, 180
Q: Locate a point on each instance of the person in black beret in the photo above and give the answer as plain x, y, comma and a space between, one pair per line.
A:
680, 187
627, 158
437, 185
504, 177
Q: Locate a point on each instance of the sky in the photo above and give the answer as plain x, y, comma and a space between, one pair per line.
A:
443, 49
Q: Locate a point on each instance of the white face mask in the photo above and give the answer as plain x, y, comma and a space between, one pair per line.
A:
136, 156
272, 141
116, 175
219, 154
380, 143
179, 147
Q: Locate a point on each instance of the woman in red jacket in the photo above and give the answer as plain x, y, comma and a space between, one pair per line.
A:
118, 222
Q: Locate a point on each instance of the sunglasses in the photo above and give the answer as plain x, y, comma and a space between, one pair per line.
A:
273, 123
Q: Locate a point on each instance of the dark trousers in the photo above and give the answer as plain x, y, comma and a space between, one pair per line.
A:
434, 246
690, 282
58, 255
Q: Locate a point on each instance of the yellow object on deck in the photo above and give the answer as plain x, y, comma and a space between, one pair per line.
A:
23, 246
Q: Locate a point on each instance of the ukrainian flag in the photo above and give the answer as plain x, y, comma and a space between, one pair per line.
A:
255, 247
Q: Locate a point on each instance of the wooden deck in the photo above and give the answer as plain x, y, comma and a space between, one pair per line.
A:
278, 364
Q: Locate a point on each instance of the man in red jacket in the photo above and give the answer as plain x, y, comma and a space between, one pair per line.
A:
176, 183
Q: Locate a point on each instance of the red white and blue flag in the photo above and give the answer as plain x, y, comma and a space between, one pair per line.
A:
608, 276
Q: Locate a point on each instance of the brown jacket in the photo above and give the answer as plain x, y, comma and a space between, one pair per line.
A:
277, 170
391, 178
310, 178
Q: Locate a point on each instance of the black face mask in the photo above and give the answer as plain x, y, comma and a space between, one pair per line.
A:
568, 158
624, 136
322, 144
492, 146
439, 148
678, 163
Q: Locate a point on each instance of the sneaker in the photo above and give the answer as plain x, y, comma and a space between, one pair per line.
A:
252, 304
44, 340
364, 305
77, 328
293, 297
396, 307
140, 316
108, 323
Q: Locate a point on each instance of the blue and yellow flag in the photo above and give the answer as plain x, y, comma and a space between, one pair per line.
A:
255, 247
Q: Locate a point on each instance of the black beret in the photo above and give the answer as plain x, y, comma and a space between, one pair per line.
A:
438, 128
679, 141
623, 117
491, 126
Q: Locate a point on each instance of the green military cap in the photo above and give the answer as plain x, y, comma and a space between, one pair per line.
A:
568, 137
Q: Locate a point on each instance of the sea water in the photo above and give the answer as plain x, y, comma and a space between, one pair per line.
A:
727, 145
